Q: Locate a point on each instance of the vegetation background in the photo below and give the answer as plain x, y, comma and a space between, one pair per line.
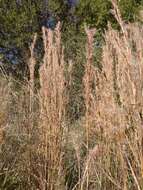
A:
71, 94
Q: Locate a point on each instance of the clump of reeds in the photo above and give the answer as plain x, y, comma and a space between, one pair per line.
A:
5, 90
52, 110
107, 152
114, 99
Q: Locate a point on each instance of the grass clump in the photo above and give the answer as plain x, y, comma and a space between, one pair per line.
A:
43, 147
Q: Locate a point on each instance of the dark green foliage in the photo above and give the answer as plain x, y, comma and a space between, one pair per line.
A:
95, 12
20, 19
18, 22
129, 9
98, 12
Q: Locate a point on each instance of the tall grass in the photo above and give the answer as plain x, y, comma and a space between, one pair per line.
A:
52, 108
42, 149
114, 111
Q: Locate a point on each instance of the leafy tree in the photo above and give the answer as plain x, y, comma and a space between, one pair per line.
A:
20, 19
18, 22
